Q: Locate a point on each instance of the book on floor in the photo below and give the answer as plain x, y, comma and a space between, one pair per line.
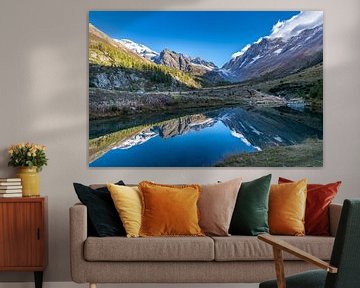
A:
10, 195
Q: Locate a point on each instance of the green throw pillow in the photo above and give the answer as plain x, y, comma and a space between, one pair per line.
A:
250, 215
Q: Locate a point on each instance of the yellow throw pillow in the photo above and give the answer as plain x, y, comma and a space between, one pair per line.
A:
127, 201
287, 204
169, 210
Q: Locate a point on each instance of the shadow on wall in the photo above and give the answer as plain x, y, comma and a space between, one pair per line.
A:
47, 82
4, 158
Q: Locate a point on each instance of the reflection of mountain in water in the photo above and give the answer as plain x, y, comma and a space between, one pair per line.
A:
239, 135
171, 128
267, 127
257, 128
183, 125
138, 139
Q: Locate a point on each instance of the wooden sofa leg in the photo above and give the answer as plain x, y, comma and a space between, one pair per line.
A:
92, 285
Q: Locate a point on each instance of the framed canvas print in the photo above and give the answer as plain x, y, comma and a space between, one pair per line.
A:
205, 88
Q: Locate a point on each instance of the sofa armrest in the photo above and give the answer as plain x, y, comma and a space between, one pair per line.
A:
78, 235
334, 217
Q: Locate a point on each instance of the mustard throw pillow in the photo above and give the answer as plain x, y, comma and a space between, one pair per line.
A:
169, 210
127, 201
287, 204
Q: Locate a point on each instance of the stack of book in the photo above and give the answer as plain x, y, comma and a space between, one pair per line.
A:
10, 187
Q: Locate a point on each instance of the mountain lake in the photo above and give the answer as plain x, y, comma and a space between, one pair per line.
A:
203, 139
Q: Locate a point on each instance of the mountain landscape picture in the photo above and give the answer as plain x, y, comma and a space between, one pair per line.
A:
205, 88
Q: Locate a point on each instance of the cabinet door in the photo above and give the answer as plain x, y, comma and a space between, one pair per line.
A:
21, 234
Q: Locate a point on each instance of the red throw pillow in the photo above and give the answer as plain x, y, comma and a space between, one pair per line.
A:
319, 197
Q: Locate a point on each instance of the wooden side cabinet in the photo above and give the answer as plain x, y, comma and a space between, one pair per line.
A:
23, 235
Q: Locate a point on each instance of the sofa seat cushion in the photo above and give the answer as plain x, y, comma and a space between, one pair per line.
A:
149, 249
245, 248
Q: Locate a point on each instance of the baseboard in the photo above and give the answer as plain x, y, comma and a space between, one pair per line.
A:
74, 285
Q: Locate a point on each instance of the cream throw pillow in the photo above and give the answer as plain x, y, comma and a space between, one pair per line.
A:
216, 206
127, 201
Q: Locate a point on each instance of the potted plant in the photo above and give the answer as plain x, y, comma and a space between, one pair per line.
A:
30, 158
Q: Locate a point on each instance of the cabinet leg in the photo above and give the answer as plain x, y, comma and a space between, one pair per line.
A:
38, 279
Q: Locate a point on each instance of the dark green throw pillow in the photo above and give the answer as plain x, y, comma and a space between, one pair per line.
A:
250, 216
103, 219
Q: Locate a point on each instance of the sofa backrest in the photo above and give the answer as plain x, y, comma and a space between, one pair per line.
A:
334, 209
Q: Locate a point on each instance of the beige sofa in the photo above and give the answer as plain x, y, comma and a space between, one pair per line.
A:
234, 259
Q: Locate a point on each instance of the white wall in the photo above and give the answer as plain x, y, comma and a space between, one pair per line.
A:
43, 82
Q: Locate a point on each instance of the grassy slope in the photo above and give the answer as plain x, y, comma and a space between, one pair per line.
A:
306, 84
104, 53
307, 154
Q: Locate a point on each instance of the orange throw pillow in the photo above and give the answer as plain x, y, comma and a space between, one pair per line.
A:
169, 210
318, 200
287, 204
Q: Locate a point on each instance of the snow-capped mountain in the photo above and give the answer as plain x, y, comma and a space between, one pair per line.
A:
294, 26
206, 70
241, 52
175, 60
139, 49
294, 44
203, 63
166, 57
183, 62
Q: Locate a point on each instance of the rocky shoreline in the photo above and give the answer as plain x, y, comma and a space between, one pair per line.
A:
112, 103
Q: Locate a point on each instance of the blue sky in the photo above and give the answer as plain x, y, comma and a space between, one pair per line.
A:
212, 35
